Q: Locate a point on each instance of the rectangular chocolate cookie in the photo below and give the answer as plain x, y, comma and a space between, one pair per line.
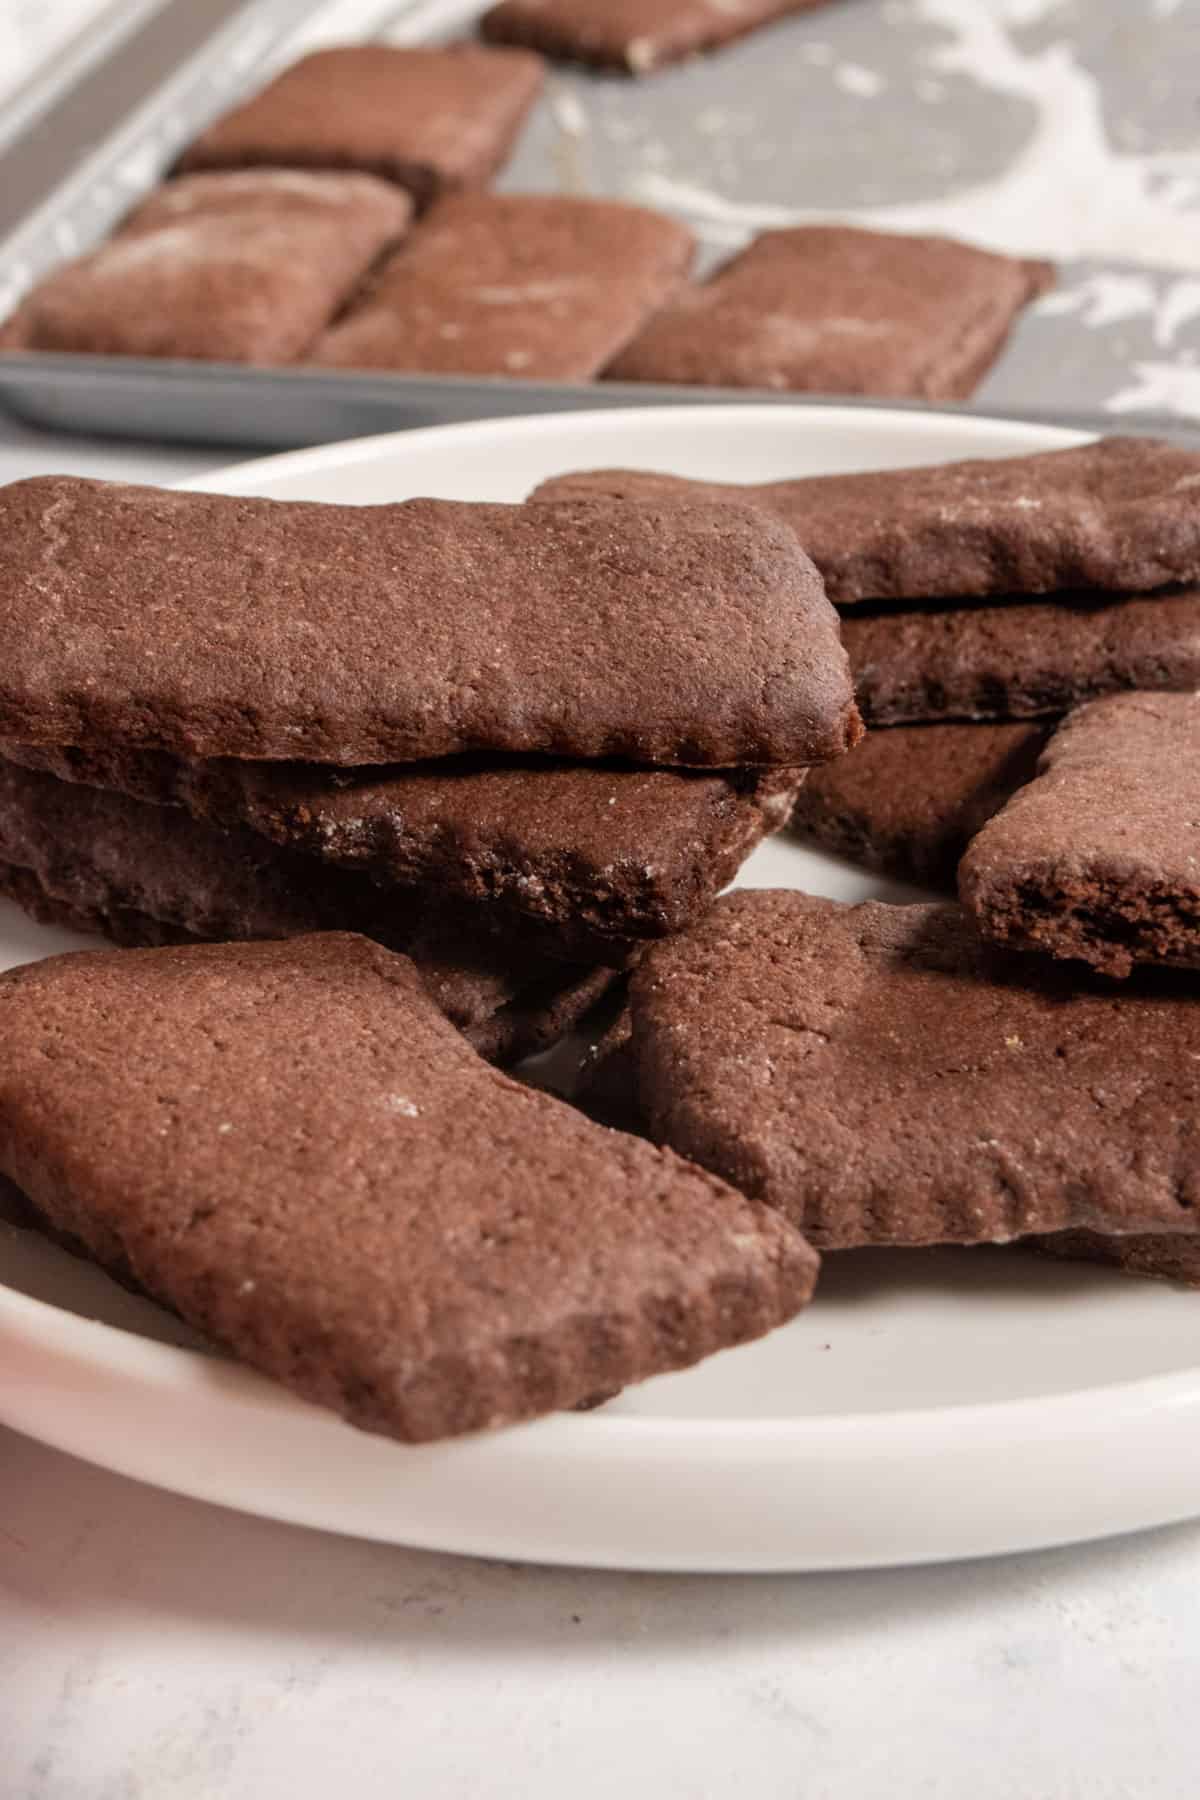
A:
209, 625
1171, 1256
1031, 660
1118, 514
588, 860
1098, 858
883, 1076
233, 268
636, 36
832, 309
546, 286
427, 119
290, 1146
141, 874
908, 801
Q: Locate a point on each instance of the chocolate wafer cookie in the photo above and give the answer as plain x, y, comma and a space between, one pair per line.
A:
428, 119
141, 874
1169, 1256
289, 1145
236, 268
909, 800
210, 625
547, 286
1031, 660
637, 36
594, 859
837, 310
1099, 856
883, 1076
1118, 514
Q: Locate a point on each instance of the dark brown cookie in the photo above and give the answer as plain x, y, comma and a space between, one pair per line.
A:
209, 625
427, 119
289, 1145
1118, 514
234, 268
544, 286
90, 860
1033, 660
908, 801
133, 930
636, 36
883, 1076
1169, 1256
1099, 857
593, 859
254, 197
836, 310
606, 1088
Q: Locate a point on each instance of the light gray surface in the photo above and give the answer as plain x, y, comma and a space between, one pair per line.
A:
1047, 127
1050, 127
156, 1649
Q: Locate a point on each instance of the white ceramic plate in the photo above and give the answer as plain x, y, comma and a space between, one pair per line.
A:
929, 1405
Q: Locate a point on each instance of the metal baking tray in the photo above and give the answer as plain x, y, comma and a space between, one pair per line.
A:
113, 115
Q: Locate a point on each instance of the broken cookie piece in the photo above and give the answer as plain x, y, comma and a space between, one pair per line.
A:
1098, 857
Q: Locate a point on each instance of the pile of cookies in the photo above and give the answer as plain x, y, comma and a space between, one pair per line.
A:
979, 602
393, 793
907, 1075
436, 772
339, 218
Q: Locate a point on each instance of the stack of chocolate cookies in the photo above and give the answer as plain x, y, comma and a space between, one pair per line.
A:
980, 601
473, 732
967, 1073
433, 773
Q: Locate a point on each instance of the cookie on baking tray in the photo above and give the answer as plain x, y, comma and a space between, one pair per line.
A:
835, 309
636, 36
234, 268
427, 119
543, 286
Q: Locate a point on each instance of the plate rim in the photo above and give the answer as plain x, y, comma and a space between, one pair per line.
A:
345, 452
172, 1367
